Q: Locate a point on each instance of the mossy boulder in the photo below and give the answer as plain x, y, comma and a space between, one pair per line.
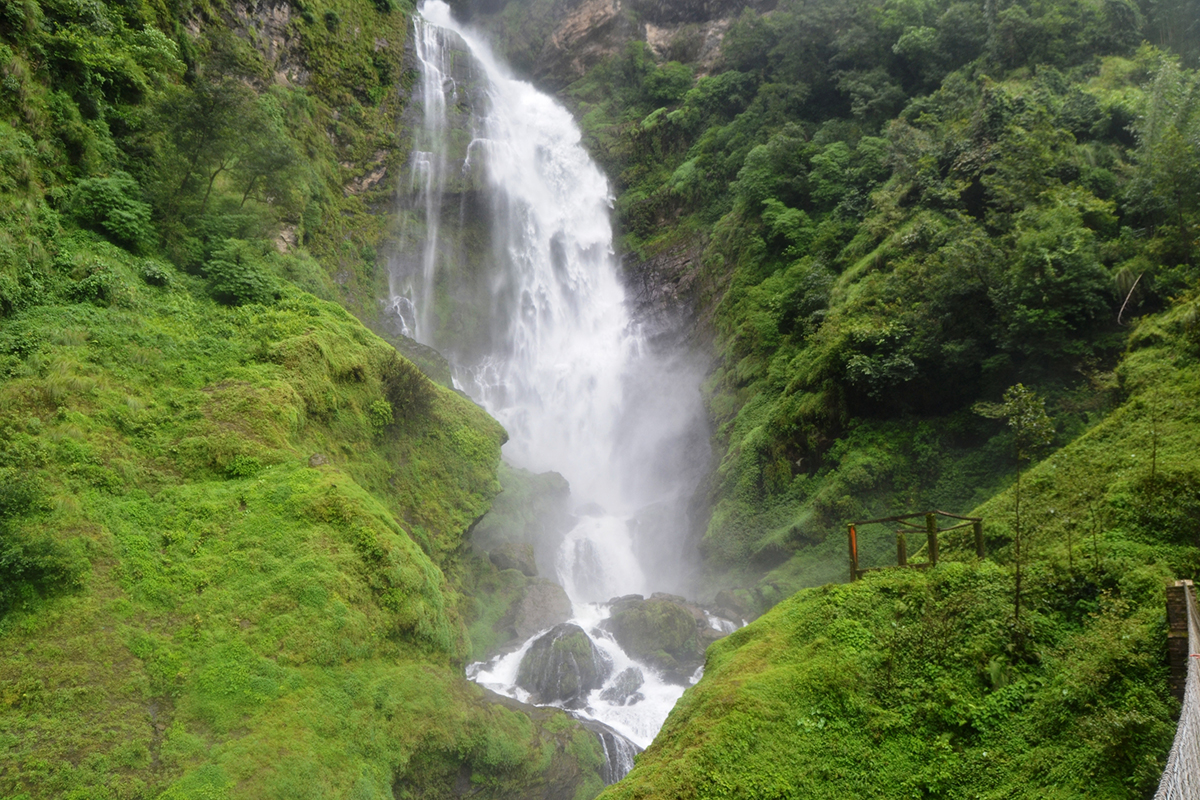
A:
532, 510
661, 632
543, 605
563, 666
515, 555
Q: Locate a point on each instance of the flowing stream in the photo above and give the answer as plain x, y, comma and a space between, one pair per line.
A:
507, 267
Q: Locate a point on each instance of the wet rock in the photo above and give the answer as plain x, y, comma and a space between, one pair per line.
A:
562, 666
515, 555
433, 364
624, 689
543, 605
662, 633
666, 290
618, 751
588, 32
317, 460
733, 604
531, 509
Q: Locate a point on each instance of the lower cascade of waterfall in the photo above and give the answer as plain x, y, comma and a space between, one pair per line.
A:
580, 666
505, 264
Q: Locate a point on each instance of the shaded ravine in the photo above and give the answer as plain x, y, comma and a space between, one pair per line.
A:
506, 265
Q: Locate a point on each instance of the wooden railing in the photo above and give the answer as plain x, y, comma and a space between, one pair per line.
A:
930, 529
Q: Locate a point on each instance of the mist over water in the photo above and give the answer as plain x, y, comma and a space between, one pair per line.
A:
533, 316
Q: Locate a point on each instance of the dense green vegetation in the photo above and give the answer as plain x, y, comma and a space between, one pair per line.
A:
904, 209
924, 684
231, 517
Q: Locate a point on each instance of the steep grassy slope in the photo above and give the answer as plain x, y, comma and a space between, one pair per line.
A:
221, 543
231, 517
926, 684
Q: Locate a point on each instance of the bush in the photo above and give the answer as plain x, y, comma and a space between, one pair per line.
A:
98, 287
243, 467
31, 565
18, 495
112, 206
37, 566
406, 389
155, 273
380, 414
237, 274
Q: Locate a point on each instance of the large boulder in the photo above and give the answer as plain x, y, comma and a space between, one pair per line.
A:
663, 632
515, 555
543, 605
530, 513
562, 666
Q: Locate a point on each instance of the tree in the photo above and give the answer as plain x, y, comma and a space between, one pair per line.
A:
1025, 414
1166, 187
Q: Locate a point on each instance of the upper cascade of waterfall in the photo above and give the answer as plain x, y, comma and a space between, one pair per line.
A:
557, 338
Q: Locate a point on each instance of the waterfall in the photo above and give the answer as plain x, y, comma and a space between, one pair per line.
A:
507, 266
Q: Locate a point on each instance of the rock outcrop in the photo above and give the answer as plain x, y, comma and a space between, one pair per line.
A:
515, 555
559, 42
543, 605
562, 666
624, 689
665, 632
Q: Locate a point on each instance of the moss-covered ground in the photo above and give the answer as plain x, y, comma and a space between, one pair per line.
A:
249, 599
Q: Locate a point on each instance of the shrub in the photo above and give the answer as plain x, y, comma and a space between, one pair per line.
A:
155, 273
406, 389
243, 467
380, 414
31, 565
98, 287
18, 495
36, 566
111, 205
237, 275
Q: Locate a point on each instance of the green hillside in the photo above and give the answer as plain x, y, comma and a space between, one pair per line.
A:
927, 683
232, 518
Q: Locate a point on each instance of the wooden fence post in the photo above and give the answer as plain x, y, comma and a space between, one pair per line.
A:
901, 549
978, 527
853, 552
931, 532
1177, 638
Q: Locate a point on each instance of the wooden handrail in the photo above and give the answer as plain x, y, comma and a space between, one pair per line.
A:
931, 533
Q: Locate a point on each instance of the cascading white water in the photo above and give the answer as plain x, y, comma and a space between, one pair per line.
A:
428, 172
547, 345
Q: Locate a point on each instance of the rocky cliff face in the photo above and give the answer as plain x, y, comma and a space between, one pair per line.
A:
556, 42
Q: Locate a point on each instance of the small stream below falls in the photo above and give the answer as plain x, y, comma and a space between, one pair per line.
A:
506, 266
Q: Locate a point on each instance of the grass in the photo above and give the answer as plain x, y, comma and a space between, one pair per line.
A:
263, 611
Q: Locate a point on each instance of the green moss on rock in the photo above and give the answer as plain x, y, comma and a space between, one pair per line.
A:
562, 666
659, 632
